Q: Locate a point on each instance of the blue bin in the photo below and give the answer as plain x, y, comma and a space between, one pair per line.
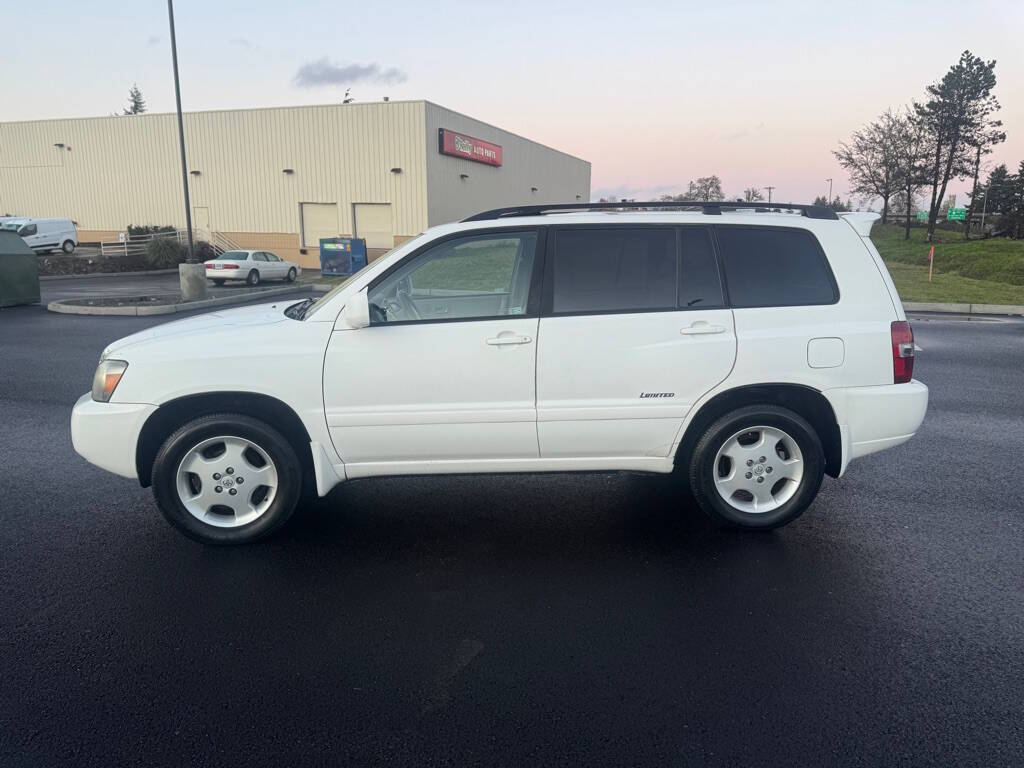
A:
342, 255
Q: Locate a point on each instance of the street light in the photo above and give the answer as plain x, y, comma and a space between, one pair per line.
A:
192, 275
829, 189
984, 205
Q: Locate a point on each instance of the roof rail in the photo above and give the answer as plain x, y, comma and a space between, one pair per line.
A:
713, 208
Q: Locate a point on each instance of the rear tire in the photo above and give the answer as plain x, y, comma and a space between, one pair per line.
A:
240, 456
758, 467
292, 274
68, 247
253, 278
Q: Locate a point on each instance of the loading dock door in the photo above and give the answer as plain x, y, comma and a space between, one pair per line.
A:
373, 224
318, 220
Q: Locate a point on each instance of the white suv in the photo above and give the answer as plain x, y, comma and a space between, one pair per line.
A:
750, 349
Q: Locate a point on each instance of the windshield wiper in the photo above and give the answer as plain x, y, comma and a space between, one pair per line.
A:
298, 311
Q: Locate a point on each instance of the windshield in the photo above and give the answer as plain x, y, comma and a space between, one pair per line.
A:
233, 256
323, 300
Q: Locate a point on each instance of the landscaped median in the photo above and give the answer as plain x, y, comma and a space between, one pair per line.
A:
166, 304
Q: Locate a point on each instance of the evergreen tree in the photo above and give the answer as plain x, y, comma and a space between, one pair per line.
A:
136, 104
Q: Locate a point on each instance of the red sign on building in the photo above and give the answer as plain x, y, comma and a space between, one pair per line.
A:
460, 145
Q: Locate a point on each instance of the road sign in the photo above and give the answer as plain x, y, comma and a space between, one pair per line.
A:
922, 215
956, 214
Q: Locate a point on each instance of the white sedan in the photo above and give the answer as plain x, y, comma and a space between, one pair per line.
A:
251, 266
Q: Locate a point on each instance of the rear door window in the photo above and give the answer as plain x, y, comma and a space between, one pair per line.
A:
700, 286
620, 269
774, 267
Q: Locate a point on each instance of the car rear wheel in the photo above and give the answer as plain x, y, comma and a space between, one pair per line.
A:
292, 274
758, 467
227, 479
68, 246
253, 278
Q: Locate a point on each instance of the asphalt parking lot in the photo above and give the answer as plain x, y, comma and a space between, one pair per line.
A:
541, 620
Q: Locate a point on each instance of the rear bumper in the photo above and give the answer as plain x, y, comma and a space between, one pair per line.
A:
875, 418
226, 274
106, 434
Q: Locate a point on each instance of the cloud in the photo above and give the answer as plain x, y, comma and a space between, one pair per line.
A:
241, 42
323, 72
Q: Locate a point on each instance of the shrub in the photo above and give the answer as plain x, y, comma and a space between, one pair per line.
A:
204, 251
148, 229
165, 252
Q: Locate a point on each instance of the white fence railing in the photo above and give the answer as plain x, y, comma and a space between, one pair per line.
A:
135, 245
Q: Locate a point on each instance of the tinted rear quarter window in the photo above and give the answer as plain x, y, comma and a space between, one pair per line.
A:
774, 267
613, 269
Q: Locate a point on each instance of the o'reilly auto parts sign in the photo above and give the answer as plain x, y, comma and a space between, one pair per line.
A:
468, 148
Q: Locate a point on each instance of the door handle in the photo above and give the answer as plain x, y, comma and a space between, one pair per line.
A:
701, 327
498, 341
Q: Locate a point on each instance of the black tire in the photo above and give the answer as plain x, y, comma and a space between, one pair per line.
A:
218, 281
253, 278
703, 469
183, 440
292, 274
67, 246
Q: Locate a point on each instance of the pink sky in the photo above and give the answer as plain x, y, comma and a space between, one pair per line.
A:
653, 93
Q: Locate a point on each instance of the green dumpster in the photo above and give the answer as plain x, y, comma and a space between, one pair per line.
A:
19, 271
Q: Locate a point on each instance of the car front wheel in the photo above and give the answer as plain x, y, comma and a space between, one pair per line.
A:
757, 467
68, 247
253, 278
227, 479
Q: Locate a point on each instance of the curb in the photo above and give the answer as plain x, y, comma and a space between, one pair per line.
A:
90, 275
963, 309
170, 309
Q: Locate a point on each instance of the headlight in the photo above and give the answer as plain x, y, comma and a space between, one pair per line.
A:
108, 375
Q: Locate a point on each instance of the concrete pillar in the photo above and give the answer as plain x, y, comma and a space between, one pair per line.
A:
193, 281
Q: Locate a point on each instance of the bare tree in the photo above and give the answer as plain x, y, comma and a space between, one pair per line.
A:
705, 189
913, 142
870, 160
752, 195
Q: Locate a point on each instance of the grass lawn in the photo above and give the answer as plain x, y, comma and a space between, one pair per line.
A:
966, 271
912, 283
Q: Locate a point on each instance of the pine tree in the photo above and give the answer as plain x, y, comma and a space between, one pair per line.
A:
136, 104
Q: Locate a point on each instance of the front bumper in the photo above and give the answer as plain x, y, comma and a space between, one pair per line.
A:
875, 418
106, 434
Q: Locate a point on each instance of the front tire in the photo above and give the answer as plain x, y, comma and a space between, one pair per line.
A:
68, 247
226, 479
757, 467
253, 278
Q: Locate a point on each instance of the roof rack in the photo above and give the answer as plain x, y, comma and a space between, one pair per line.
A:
709, 208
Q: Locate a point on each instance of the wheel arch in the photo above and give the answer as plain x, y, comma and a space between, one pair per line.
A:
174, 413
807, 401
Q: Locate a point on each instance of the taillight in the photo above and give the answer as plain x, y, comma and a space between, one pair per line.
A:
902, 352
225, 265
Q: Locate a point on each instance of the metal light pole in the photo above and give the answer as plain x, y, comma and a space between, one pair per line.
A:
984, 206
829, 190
191, 274
769, 193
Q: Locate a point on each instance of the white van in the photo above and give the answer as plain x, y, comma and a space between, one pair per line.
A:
45, 235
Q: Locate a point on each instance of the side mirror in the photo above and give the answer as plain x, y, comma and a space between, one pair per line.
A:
357, 310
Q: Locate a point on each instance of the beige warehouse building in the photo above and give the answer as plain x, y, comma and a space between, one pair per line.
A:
280, 178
